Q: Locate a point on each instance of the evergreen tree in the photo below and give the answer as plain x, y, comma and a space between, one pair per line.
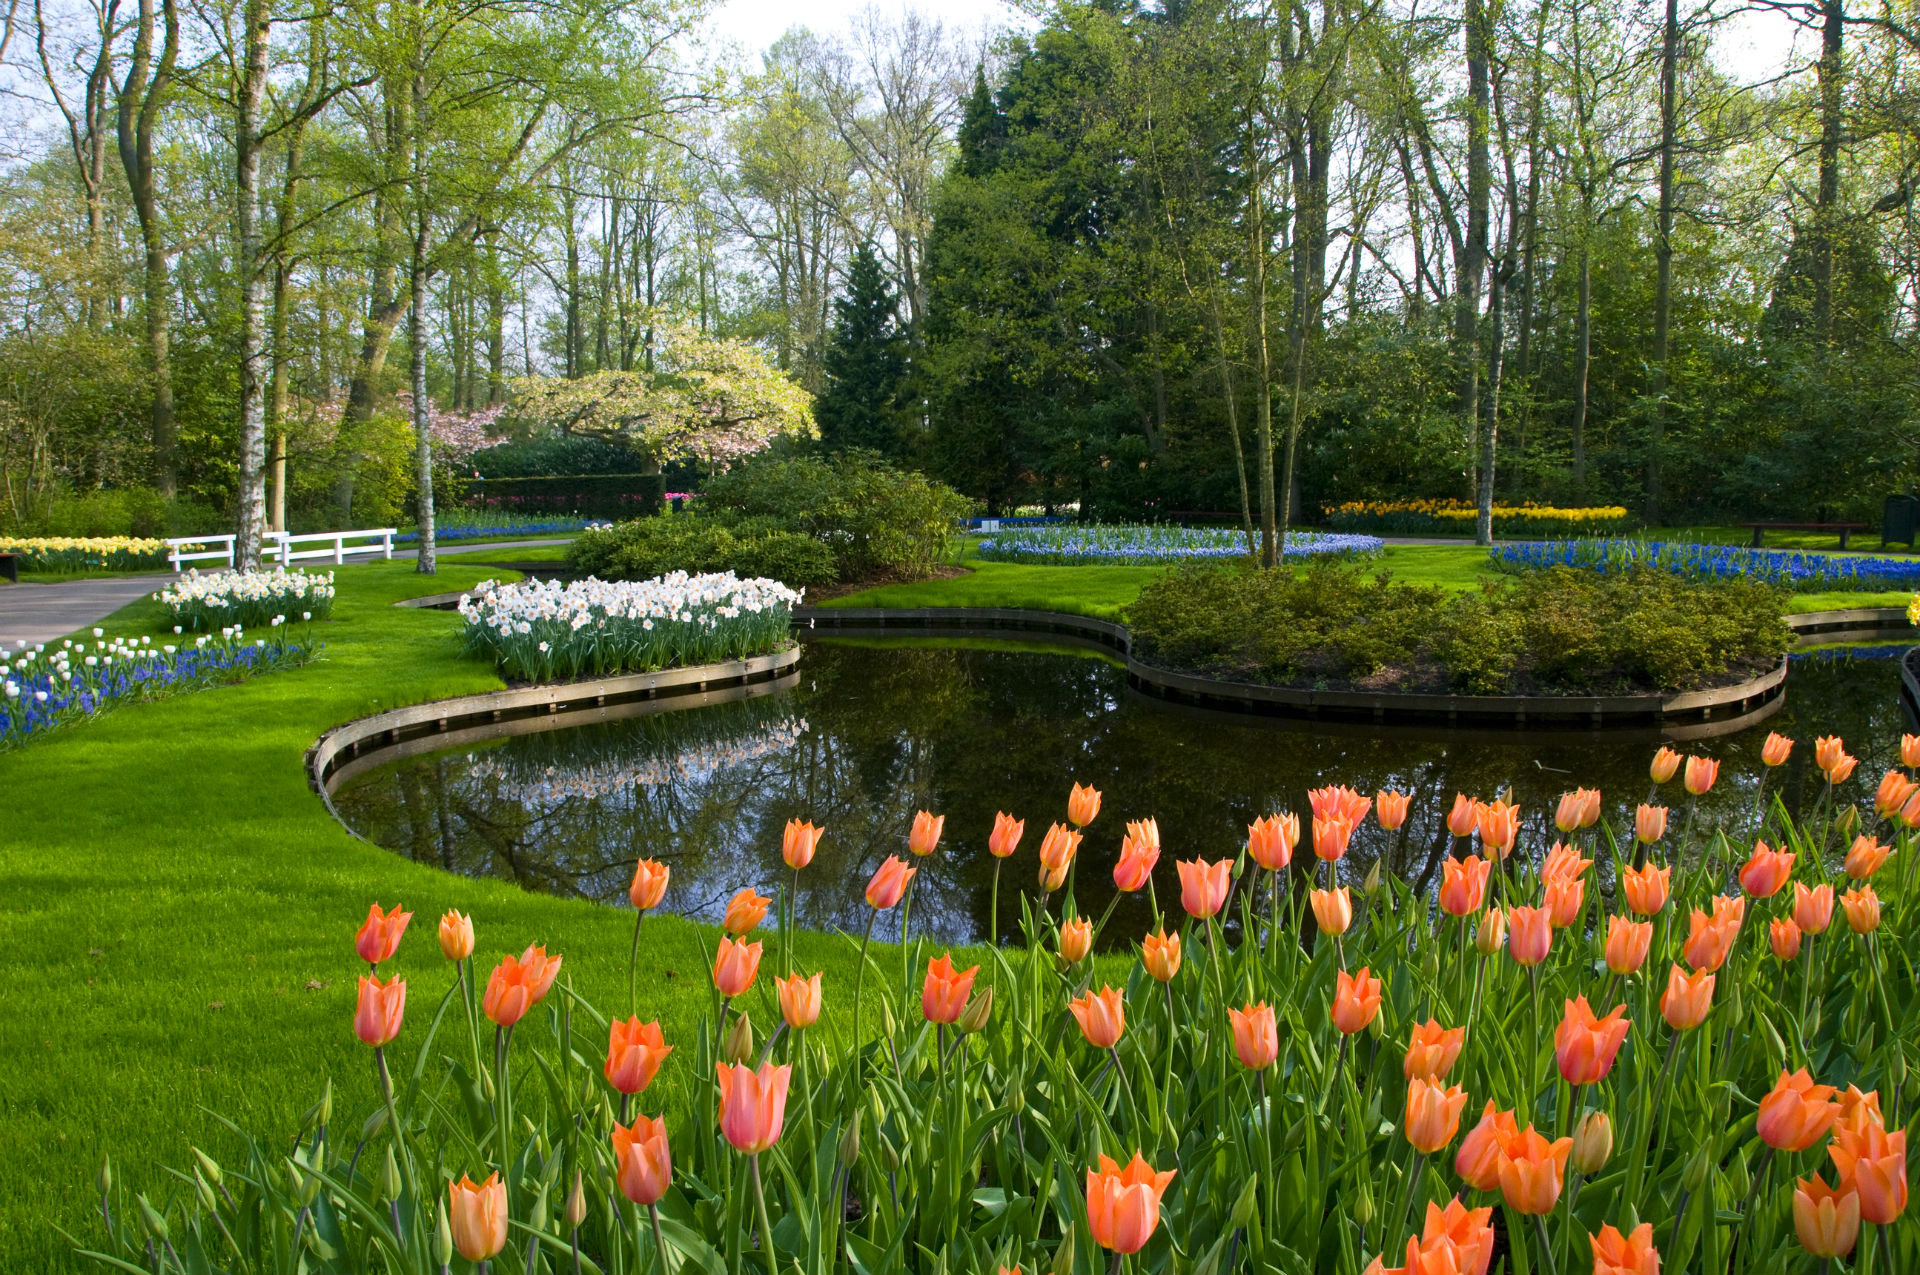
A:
865, 363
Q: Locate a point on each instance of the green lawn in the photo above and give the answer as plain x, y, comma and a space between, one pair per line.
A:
180, 915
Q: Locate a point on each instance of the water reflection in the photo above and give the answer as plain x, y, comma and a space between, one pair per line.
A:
874, 731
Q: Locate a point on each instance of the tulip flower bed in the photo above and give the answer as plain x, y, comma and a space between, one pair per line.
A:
43, 688
1077, 545
1456, 518
542, 631
87, 553
1801, 572
1648, 1048
218, 599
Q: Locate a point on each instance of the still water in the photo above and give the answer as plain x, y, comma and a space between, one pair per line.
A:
874, 731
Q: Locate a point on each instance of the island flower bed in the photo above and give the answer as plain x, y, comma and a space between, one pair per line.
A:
1073, 545
1640, 1049
1457, 518
43, 687
215, 599
542, 630
1801, 572
87, 553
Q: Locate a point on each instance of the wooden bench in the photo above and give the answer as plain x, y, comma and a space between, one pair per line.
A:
10, 566
1844, 529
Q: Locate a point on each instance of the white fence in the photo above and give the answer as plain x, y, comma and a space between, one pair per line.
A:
282, 548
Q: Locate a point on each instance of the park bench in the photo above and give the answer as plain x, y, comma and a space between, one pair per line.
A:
1844, 529
10, 566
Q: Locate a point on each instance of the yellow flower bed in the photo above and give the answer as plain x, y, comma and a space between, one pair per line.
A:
1452, 516
86, 553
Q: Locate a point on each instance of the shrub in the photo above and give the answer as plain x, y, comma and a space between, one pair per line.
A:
1558, 631
649, 547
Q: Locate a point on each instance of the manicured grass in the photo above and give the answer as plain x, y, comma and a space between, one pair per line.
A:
180, 916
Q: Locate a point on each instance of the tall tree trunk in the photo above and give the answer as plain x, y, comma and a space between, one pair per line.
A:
1582, 363
252, 524
1832, 74
496, 325
427, 563
1663, 253
1488, 436
1262, 362
1473, 263
142, 95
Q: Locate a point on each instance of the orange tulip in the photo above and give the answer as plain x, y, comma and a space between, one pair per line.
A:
1083, 805
1268, 842
1766, 871
1909, 814
1464, 817
376, 1019
1730, 910
1649, 823
1645, 888
1203, 886
1708, 942
1701, 772
799, 1000
1135, 868
1688, 998
1866, 857
943, 996
1333, 909
1492, 932
1627, 944
1390, 808
1438, 1258
753, 1104
1356, 999
889, 883
456, 936
925, 833
1532, 934
379, 934
1585, 1046
744, 911
649, 884
641, 1159
1256, 1037
1776, 749
1666, 763
477, 1215
1874, 1163
1463, 884
1617, 1254
1812, 908
798, 843
1894, 791
1826, 1218
1564, 902
1843, 769
1796, 1112
1057, 850
1578, 809
1592, 1142
1468, 1231
1102, 1017
1123, 1205
1499, 823
734, 966
1076, 939
1339, 802
1784, 935
1433, 1114
515, 987
1531, 1171
1563, 863
1858, 1110
1005, 838
1330, 838
1432, 1050
635, 1051
1827, 751
1862, 907
1160, 953
1478, 1161
1910, 751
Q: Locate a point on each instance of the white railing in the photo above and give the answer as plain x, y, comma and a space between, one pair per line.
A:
280, 545
177, 550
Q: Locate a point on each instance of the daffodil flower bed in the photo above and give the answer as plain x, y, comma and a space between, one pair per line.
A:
87, 553
47, 686
1457, 518
1646, 1048
542, 630
219, 599
1074, 545
1801, 572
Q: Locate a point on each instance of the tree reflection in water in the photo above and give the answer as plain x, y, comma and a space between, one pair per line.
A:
875, 731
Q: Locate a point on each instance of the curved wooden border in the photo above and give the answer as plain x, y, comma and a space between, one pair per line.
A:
1696, 712
1857, 624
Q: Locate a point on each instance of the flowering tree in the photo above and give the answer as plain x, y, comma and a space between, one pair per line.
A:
708, 398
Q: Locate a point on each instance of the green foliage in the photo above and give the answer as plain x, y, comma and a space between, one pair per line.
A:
865, 363
540, 457
1552, 632
648, 547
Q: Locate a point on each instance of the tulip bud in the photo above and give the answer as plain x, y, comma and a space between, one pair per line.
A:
1735, 1004
1593, 1143
1897, 1068
1377, 1028
1739, 1177
155, 1223
207, 1166
442, 1238
850, 1144
320, 1112
204, 1192
887, 1024
374, 1124
1371, 886
974, 1017
538, 1218
576, 1203
1363, 1204
1017, 1100
1492, 934
1846, 821
1243, 1208
889, 1158
1239, 865
105, 1180
739, 1043
1695, 1175
1063, 1256
390, 1176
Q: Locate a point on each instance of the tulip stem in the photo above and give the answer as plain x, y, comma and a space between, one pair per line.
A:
760, 1208
1760, 1172
1119, 1259
659, 1240
502, 1097
1546, 1247
993, 908
633, 959
860, 976
1414, 1170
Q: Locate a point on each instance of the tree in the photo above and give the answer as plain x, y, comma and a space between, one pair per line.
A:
865, 363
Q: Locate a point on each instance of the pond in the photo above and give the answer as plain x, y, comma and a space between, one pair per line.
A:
874, 730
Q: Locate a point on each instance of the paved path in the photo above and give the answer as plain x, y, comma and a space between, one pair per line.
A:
33, 613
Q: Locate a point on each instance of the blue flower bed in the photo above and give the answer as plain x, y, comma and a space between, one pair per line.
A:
1801, 572
46, 687
481, 528
1076, 545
